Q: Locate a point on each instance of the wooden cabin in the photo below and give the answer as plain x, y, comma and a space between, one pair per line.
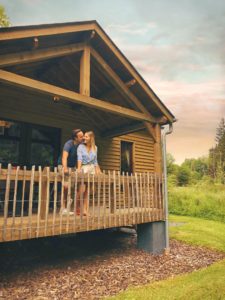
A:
57, 77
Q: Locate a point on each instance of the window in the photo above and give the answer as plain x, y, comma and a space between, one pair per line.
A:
126, 157
28, 144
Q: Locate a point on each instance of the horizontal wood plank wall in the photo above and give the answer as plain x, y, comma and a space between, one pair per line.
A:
61, 115
109, 152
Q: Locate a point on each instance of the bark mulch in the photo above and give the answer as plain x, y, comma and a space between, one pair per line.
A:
90, 265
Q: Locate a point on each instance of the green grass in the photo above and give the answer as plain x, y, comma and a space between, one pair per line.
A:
208, 283
210, 234
203, 201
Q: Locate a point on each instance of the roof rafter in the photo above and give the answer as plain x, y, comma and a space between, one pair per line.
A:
39, 54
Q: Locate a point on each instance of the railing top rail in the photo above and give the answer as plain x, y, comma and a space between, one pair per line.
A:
24, 174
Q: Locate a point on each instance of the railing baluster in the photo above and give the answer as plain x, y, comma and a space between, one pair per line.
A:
128, 197
119, 196
114, 196
75, 200
14, 202
68, 205
156, 198
149, 199
124, 201
6, 204
47, 200
138, 198
55, 199
39, 200
31, 191
88, 199
93, 201
104, 200
141, 197
133, 199
109, 196
99, 194
22, 201
144, 191
82, 198
62, 201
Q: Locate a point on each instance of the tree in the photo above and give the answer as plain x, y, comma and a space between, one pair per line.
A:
4, 19
183, 176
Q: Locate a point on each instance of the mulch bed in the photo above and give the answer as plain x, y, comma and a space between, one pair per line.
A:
90, 266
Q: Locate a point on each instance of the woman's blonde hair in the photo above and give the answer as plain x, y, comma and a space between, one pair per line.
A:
92, 140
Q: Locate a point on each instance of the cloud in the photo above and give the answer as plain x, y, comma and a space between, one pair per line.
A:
131, 28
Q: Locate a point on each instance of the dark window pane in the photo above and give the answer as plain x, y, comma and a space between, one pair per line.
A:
10, 129
9, 151
44, 134
42, 154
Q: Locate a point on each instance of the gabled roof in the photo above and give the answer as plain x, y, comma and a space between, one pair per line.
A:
15, 39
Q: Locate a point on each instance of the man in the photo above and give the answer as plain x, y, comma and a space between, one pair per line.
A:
69, 160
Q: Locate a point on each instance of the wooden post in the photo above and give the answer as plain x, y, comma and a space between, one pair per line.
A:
85, 72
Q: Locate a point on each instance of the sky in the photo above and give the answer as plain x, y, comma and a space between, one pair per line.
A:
178, 46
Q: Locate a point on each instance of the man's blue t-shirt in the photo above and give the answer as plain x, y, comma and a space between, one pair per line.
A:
71, 148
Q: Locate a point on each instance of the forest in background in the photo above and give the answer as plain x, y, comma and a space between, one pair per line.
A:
197, 186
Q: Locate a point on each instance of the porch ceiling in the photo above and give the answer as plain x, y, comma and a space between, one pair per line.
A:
32, 102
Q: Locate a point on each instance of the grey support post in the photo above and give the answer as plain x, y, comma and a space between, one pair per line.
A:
151, 237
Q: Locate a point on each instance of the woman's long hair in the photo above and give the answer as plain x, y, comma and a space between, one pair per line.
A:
92, 140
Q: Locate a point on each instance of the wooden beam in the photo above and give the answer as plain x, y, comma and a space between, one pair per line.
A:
85, 72
36, 31
122, 130
124, 90
37, 55
133, 72
74, 97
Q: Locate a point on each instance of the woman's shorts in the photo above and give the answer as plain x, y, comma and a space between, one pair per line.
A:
90, 168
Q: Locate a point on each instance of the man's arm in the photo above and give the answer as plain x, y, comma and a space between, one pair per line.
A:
64, 161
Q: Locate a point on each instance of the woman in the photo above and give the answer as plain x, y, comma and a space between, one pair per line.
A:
87, 162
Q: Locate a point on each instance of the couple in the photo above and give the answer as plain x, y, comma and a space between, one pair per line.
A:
80, 154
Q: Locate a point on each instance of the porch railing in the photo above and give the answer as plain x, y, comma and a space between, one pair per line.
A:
31, 201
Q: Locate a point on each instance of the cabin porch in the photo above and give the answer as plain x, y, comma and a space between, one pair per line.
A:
31, 201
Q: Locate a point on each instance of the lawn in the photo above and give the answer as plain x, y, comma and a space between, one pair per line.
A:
205, 201
208, 283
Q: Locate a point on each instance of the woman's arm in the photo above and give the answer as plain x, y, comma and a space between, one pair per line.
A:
97, 168
79, 165
79, 158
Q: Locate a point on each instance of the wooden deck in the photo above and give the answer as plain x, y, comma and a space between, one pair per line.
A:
31, 201
58, 225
